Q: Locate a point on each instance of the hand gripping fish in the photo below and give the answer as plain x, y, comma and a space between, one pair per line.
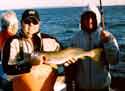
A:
61, 57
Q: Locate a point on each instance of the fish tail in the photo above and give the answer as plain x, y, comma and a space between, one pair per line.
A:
96, 54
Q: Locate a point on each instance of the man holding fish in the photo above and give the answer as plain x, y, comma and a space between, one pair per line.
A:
18, 50
91, 75
31, 56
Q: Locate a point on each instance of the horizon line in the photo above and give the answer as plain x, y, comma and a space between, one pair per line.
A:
43, 7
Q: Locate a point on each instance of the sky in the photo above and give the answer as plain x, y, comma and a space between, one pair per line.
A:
17, 4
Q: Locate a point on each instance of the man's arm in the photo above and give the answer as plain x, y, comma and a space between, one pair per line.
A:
111, 47
10, 59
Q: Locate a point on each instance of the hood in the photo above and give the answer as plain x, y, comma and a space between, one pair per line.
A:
94, 8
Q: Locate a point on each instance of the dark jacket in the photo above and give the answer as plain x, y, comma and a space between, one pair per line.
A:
17, 47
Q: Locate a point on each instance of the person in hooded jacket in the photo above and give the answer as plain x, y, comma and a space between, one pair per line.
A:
89, 75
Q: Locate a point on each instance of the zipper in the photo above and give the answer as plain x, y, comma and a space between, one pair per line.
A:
90, 71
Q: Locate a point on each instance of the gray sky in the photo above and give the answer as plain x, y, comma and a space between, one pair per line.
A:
15, 4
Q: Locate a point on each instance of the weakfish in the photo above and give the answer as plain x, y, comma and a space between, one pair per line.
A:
62, 56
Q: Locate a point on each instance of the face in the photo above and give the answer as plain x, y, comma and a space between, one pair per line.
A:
30, 26
12, 24
89, 23
12, 29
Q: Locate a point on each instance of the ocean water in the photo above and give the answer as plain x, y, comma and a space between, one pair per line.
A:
63, 23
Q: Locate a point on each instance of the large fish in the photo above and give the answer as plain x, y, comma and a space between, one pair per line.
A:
61, 57
42, 77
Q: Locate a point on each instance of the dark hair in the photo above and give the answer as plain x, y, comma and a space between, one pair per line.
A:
85, 16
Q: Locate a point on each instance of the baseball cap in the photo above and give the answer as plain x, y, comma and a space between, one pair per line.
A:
30, 13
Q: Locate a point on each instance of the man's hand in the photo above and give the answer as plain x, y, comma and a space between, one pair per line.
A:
35, 59
70, 60
105, 36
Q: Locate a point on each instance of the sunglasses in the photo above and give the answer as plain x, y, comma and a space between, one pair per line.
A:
31, 20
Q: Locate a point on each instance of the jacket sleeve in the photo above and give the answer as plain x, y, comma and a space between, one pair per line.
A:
112, 51
10, 59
